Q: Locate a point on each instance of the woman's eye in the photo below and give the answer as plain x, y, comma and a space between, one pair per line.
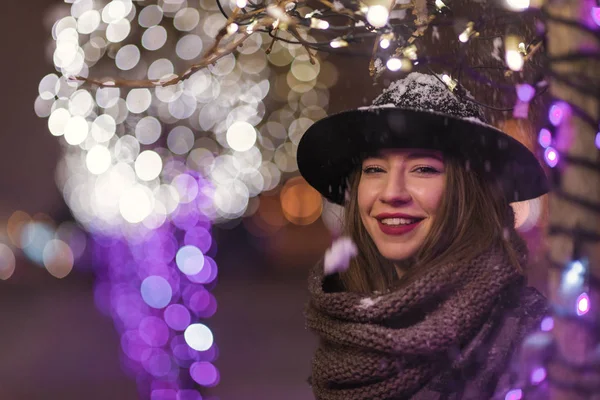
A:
372, 170
426, 170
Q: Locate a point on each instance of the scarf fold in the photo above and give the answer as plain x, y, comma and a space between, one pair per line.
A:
364, 355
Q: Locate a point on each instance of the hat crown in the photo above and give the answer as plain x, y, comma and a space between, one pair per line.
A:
423, 92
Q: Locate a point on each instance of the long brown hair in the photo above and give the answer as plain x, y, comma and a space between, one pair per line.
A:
473, 215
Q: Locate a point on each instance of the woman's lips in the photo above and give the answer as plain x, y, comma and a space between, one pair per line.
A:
398, 229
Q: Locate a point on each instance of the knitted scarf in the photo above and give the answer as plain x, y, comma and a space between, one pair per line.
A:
389, 346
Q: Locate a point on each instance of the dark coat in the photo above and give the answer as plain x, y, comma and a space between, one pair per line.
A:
485, 379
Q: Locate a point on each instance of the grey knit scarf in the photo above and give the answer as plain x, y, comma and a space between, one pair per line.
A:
389, 346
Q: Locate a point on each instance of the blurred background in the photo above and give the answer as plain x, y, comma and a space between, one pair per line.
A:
71, 266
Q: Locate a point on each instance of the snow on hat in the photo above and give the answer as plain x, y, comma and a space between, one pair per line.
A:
416, 112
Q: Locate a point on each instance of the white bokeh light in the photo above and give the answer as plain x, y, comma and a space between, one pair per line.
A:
241, 136
98, 160
148, 165
135, 204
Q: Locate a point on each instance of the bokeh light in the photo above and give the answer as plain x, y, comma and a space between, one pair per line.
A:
156, 291
583, 304
198, 337
547, 324
538, 375
551, 156
7, 262
545, 138
301, 204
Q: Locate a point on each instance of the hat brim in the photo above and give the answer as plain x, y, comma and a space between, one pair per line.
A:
332, 147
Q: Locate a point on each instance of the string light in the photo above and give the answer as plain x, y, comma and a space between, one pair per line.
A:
514, 56
518, 5
397, 64
450, 83
318, 23
378, 16
338, 42
386, 40
468, 33
410, 52
439, 4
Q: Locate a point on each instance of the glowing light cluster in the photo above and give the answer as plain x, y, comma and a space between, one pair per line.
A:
156, 286
56, 248
127, 149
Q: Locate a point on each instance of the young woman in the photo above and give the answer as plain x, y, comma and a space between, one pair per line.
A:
435, 303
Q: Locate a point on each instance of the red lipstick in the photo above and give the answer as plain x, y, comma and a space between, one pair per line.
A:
397, 229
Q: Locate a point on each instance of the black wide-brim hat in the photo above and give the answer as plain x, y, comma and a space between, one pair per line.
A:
416, 112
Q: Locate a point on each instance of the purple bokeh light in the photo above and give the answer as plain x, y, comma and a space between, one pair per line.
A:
207, 274
163, 394
545, 138
188, 395
597, 141
133, 345
515, 394
551, 157
190, 260
199, 237
141, 285
557, 113
177, 317
596, 15
154, 331
204, 373
538, 375
156, 291
157, 362
547, 324
583, 304
525, 92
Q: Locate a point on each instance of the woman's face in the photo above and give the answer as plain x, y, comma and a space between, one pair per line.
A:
399, 193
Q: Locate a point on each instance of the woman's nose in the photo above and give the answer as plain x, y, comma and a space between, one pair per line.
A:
395, 190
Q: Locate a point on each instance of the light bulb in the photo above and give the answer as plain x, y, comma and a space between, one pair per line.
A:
378, 16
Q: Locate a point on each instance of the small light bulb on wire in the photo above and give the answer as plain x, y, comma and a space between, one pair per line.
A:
232, 28
513, 56
440, 4
397, 64
451, 83
468, 33
386, 40
410, 52
241, 3
378, 16
250, 28
518, 5
338, 42
318, 23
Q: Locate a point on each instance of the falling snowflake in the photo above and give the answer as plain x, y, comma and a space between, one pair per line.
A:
435, 34
497, 46
337, 257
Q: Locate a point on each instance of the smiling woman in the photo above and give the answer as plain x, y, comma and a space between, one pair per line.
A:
435, 301
399, 192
